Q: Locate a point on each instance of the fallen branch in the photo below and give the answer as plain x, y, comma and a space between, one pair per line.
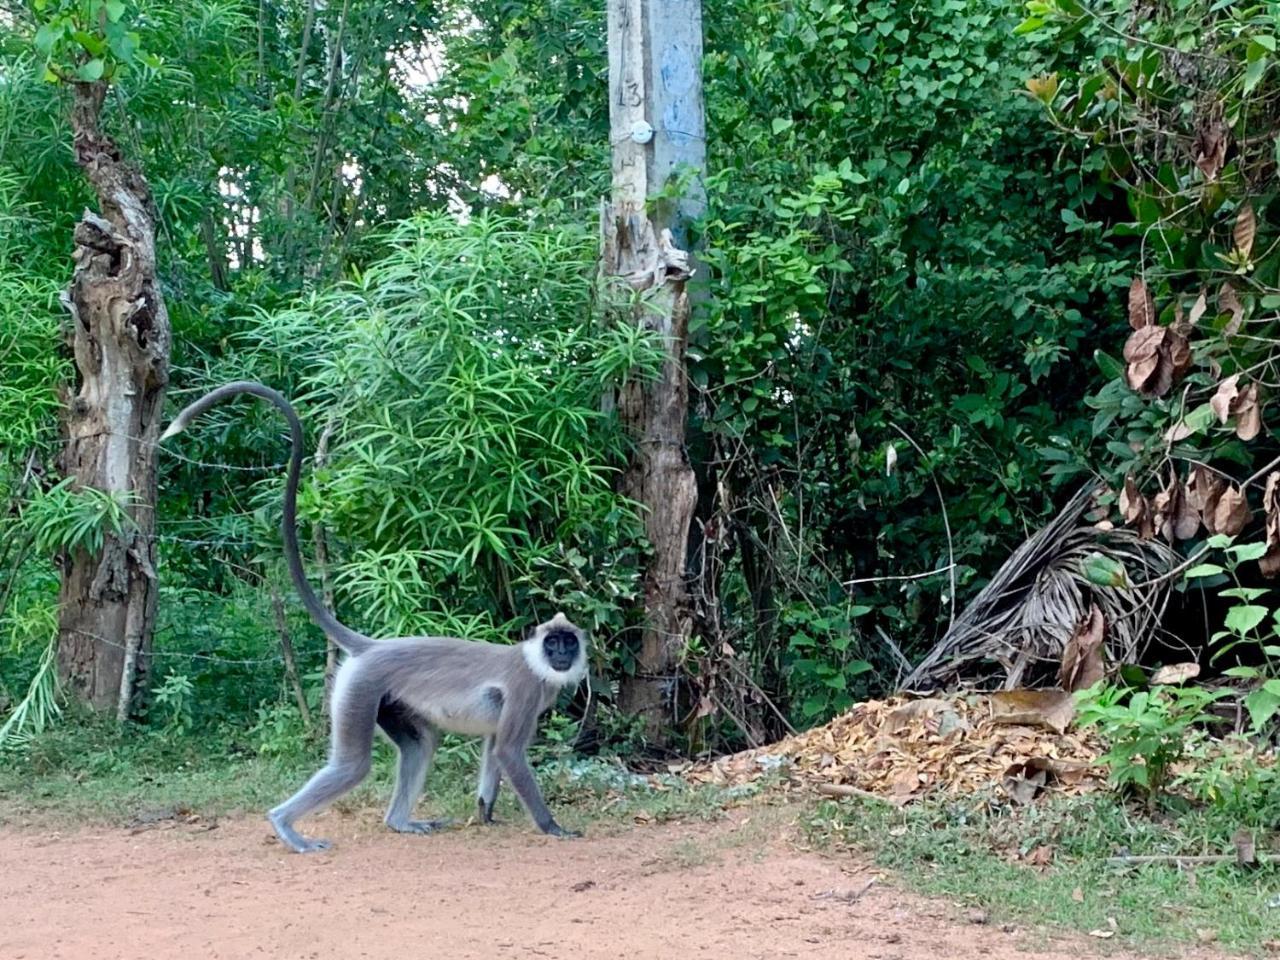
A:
845, 790
1204, 858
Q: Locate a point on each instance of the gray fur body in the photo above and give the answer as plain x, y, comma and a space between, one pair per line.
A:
415, 688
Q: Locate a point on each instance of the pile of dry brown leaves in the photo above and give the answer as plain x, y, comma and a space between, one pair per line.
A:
905, 748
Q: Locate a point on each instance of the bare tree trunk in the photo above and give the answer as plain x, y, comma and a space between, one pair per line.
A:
121, 339
656, 128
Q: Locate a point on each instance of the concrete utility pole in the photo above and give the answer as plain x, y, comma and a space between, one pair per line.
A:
658, 134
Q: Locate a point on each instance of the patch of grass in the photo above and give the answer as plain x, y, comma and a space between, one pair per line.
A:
90, 771
968, 852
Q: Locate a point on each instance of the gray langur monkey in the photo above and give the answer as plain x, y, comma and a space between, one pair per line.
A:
413, 688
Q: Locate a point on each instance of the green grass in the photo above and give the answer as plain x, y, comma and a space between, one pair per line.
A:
88, 772
968, 853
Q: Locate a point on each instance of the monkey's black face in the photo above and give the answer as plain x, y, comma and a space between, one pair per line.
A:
561, 649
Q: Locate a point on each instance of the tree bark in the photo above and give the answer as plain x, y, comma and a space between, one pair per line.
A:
121, 341
657, 129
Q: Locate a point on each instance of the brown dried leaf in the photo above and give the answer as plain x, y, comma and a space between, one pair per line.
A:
1231, 514
1132, 503
906, 781
1175, 518
1078, 895
1209, 149
1040, 856
1082, 664
1229, 302
1198, 308
1245, 230
1204, 488
1142, 354
1175, 673
1224, 397
1269, 564
1054, 709
1142, 308
1179, 354
1248, 413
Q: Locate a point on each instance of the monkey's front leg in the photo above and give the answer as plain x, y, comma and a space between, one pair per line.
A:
517, 770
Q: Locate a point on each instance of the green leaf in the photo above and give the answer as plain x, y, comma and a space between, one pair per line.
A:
1111, 368
1267, 41
115, 10
1254, 72
856, 668
1105, 571
1204, 570
1247, 551
1029, 25
91, 71
1262, 705
1243, 618
782, 123
904, 185
46, 37
1244, 673
93, 44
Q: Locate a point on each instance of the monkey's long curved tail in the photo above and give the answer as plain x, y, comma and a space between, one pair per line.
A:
348, 639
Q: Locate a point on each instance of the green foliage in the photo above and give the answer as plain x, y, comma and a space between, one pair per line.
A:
66, 518
890, 249
39, 707
1176, 110
891, 245
470, 467
85, 41
1146, 731
1250, 628
820, 643
173, 700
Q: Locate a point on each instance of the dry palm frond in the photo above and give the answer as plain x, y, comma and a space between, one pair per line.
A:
1033, 604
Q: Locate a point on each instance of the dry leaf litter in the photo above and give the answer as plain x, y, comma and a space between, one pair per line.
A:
904, 749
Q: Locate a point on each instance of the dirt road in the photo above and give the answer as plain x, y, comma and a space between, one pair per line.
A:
182, 890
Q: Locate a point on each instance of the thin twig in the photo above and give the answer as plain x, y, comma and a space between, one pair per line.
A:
946, 523
904, 576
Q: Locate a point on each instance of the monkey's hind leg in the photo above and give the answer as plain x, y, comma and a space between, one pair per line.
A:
349, 762
416, 742
490, 780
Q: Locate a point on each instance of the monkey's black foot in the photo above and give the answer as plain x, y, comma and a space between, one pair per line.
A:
555, 830
294, 840
484, 812
419, 826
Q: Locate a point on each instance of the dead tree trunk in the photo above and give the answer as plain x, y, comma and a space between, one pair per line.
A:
121, 339
657, 130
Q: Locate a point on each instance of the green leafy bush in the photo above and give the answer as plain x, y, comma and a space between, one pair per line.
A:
1146, 731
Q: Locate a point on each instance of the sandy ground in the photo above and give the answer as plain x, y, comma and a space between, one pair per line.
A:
227, 890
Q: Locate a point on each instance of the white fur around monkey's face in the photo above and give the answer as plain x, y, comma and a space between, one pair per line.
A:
556, 652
